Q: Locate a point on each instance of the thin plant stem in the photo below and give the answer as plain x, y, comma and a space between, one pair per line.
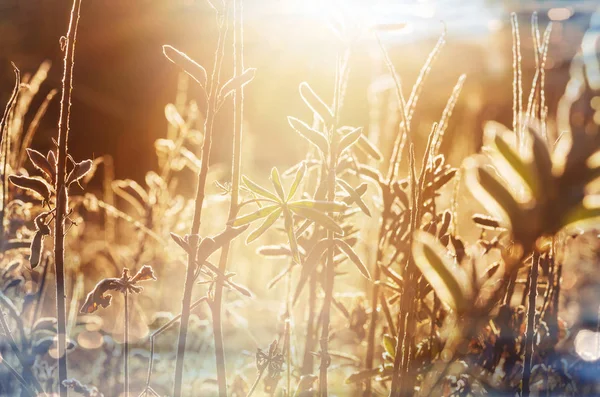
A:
126, 352
5, 146
288, 332
157, 333
330, 265
238, 111
529, 341
62, 198
258, 378
308, 359
374, 304
199, 200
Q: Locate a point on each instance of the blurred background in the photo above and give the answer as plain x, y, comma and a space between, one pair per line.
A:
123, 82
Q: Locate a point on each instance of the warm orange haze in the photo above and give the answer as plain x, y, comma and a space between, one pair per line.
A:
299, 198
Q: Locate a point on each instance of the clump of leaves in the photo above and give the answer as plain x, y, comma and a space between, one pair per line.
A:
526, 191
280, 203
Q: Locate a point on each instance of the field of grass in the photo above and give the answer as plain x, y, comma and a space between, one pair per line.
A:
385, 262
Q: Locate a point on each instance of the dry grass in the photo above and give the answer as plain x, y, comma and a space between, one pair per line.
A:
374, 292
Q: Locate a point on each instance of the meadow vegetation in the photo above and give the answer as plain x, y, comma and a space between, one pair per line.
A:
377, 291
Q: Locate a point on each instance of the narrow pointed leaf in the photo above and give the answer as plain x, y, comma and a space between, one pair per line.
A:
315, 103
492, 194
132, 192
237, 82
258, 214
325, 206
310, 264
269, 221
261, 191
310, 134
180, 242
320, 218
276, 180
448, 280
582, 217
349, 139
542, 161
369, 148
289, 229
355, 195
524, 170
389, 344
297, 180
186, 63
342, 245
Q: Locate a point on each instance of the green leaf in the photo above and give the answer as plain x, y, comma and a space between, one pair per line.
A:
355, 195
325, 206
315, 103
341, 244
251, 217
493, 195
190, 66
311, 135
582, 217
297, 179
276, 180
389, 344
320, 218
447, 280
524, 170
289, 229
369, 148
349, 139
543, 162
309, 265
271, 219
261, 191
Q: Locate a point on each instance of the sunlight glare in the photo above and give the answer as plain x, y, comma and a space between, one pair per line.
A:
587, 345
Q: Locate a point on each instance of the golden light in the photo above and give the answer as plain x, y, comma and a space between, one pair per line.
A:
587, 345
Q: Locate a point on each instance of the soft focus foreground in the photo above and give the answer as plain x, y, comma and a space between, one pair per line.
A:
366, 232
